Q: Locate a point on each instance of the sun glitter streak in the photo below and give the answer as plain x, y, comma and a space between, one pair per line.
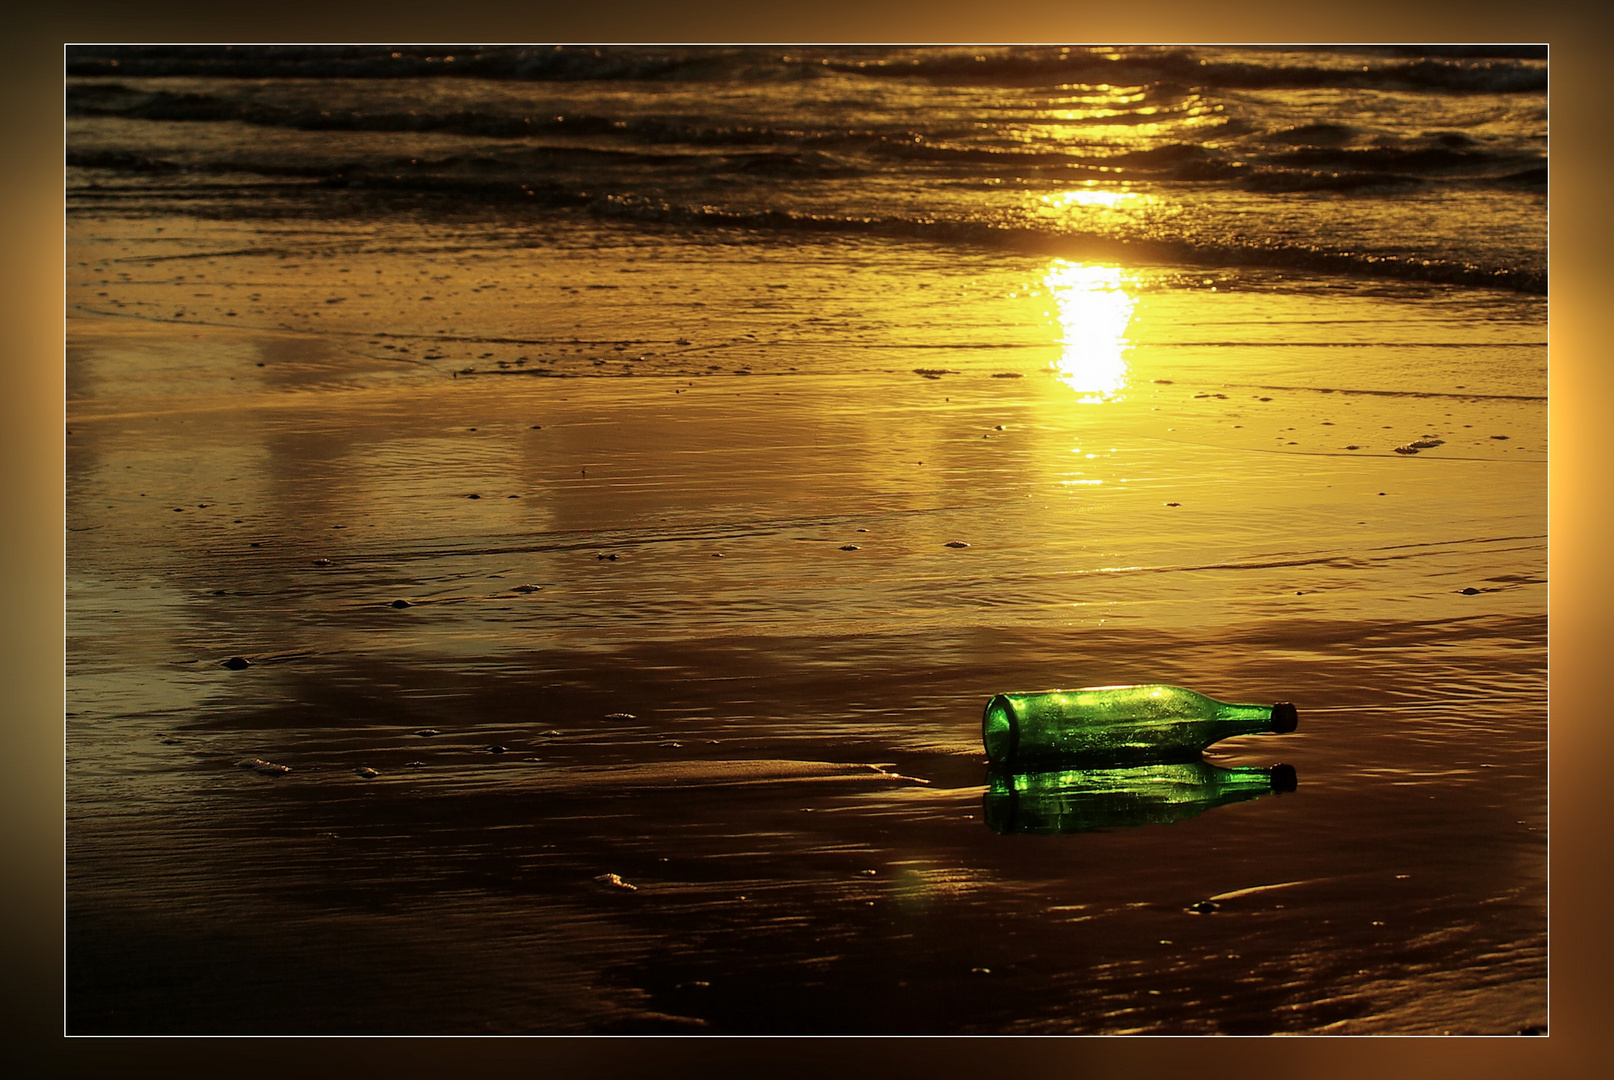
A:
1094, 311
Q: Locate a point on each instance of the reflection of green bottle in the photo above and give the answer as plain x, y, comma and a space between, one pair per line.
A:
1117, 725
1081, 800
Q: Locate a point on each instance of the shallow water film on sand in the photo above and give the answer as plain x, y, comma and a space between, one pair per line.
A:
543, 526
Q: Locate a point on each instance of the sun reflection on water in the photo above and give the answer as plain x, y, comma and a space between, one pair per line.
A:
1094, 309
1107, 198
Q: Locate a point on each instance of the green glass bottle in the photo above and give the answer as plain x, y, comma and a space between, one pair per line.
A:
1117, 725
1082, 800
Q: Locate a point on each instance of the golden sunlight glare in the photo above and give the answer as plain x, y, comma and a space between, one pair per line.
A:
1094, 310
1107, 198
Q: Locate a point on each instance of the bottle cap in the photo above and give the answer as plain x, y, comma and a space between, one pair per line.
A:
1284, 717
1283, 778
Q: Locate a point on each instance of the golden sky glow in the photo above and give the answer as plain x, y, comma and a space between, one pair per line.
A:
1093, 309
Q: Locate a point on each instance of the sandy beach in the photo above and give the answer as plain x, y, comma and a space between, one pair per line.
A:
622, 607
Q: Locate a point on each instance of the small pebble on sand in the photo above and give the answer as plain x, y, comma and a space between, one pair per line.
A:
955, 544
401, 604
427, 732
614, 881
367, 772
236, 663
619, 716
850, 547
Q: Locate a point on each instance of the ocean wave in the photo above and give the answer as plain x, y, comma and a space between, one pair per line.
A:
1321, 134
1182, 67
1473, 72
119, 161
1133, 145
622, 169
550, 63
1282, 180
1172, 161
1415, 158
592, 180
121, 100
1086, 245
1305, 158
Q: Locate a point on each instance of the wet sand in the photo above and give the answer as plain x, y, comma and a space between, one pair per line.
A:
672, 520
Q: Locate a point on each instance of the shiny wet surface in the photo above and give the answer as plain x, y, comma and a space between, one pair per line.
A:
714, 625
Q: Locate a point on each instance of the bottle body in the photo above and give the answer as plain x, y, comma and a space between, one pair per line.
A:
1063, 801
1117, 725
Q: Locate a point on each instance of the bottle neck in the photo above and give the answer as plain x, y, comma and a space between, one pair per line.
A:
1234, 720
